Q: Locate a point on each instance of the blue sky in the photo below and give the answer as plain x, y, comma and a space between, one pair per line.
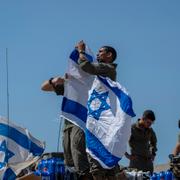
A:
40, 34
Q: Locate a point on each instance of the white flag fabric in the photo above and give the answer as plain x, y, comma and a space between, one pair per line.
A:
76, 89
17, 145
108, 125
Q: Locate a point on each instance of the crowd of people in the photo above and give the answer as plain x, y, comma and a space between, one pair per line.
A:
142, 142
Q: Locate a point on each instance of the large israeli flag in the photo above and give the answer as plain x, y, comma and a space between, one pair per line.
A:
108, 125
105, 117
17, 145
76, 89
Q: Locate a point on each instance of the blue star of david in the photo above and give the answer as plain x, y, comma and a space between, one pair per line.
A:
8, 153
103, 105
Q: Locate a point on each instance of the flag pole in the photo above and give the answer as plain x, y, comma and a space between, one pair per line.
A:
7, 84
7, 94
59, 133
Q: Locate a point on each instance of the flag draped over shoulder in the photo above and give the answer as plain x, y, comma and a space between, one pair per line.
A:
76, 89
17, 146
108, 125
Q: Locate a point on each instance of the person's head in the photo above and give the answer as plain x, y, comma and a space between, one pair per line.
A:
148, 118
106, 54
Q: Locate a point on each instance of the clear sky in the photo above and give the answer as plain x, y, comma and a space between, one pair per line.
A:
40, 34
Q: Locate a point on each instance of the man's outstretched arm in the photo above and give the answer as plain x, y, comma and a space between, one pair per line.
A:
54, 84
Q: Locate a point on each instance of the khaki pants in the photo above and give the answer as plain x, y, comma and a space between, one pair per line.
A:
143, 164
99, 173
75, 150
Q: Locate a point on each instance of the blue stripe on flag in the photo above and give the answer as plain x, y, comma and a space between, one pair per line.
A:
125, 100
9, 175
75, 56
20, 139
89, 57
98, 149
75, 108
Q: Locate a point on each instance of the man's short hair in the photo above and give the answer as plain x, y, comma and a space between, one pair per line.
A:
112, 50
149, 114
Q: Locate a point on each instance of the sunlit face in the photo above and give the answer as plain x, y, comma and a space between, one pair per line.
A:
103, 56
147, 123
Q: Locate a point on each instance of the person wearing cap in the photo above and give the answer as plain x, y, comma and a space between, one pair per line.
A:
143, 143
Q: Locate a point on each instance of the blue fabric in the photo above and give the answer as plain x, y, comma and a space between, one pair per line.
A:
125, 100
103, 104
8, 154
98, 149
9, 175
74, 108
20, 139
75, 56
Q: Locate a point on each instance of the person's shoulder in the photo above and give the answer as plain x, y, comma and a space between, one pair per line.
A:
114, 64
152, 130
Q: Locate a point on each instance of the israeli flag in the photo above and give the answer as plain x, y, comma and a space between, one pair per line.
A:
108, 125
17, 145
105, 117
76, 89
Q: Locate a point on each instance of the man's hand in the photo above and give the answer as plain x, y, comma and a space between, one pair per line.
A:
81, 46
